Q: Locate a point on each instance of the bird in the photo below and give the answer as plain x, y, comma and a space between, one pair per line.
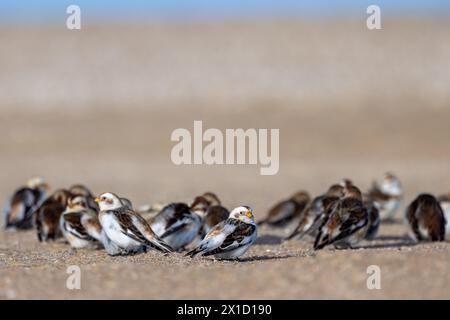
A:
317, 212
209, 208
126, 203
81, 190
22, 205
387, 197
426, 219
231, 238
48, 215
345, 224
444, 201
178, 224
212, 198
79, 224
373, 223
287, 210
125, 231
213, 216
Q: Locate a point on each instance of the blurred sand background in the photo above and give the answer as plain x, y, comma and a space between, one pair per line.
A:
97, 106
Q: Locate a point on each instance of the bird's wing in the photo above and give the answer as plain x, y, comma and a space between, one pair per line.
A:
216, 214
241, 236
127, 227
215, 237
92, 225
72, 224
184, 221
137, 228
281, 211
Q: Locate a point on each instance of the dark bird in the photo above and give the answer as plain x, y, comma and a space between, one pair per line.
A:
317, 212
345, 225
81, 190
287, 210
21, 207
426, 219
49, 214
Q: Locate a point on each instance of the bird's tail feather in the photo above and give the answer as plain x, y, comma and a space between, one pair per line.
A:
194, 252
160, 245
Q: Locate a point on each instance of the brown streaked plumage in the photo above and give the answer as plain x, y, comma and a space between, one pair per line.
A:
124, 230
317, 212
81, 190
19, 211
345, 222
212, 198
287, 210
426, 219
214, 215
79, 223
49, 214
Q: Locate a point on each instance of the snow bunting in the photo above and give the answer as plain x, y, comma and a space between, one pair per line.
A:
231, 238
373, 223
287, 210
81, 190
212, 198
79, 223
49, 213
444, 201
208, 207
126, 203
19, 210
387, 197
346, 183
177, 224
126, 230
317, 212
346, 221
214, 215
426, 219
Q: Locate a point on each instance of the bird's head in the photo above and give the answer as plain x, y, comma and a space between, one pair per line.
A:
38, 183
200, 205
336, 190
108, 201
212, 198
244, 214
391, 185
352, 192
77, 203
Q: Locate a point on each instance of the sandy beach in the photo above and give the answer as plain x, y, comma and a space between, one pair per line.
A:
98, 107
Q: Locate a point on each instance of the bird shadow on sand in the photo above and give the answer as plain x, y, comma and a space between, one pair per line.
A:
264, 258
269, 240
394, 242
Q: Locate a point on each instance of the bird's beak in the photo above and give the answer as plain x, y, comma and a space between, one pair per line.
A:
70, 206
97, 200
249, 215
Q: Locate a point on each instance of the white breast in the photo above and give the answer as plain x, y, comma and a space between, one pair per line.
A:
114, 233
